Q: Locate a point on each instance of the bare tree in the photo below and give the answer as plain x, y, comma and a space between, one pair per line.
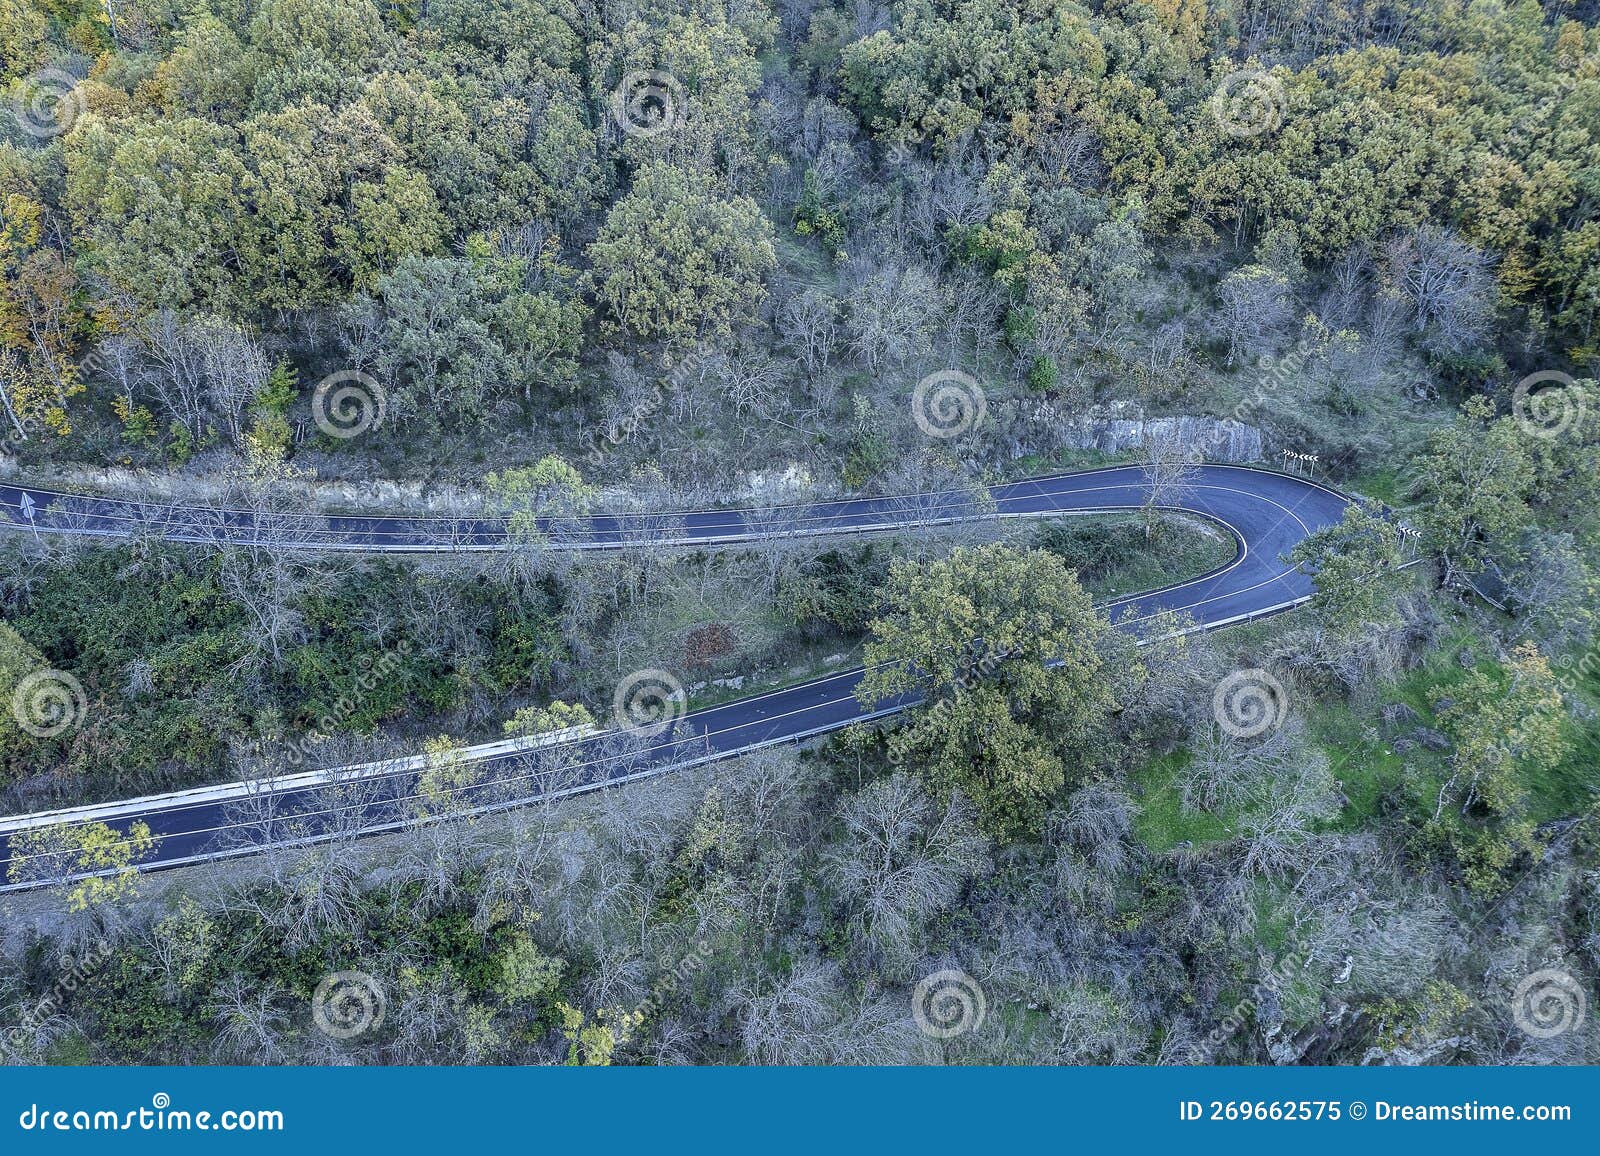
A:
779, 1018
250, 1023
236, 367
1350, 281
951, 193
1280, 829
1448, 283
1256, 306
895, 304
1072, 155
1170, 471
174, 368
930, 489
971, 325
901, 860
199, 368
1554, 589
751, 381
809, 323
1224, 773
263, 560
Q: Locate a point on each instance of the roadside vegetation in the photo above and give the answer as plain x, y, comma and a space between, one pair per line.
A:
534, 260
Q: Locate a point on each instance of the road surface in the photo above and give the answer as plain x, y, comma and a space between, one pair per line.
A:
1268, 513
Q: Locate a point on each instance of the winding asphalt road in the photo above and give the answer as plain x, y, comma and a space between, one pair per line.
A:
1268, 513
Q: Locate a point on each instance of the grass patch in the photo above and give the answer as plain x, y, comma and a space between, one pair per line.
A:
1184, 548
1369, 766
1387, 484
1162, 823
1112, 556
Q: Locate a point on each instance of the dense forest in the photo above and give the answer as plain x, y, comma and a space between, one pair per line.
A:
537, 259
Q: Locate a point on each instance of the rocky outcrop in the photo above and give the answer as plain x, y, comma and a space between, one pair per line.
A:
198, 485
791, 483
1432, 739
1397, 714
1121, 427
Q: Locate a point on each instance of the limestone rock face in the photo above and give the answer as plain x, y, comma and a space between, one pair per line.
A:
1121, 427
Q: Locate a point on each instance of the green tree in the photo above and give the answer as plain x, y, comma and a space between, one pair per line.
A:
1568, 462
1472, 486
446, 780
206, 75
455, 335
551, 491
593, 1040
1505, 728
1509, 730
314, 51
1005, 646
677, 259
24, 38
39, 311
1352, 566
18, 658
527, 975
536, 720
186, 941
